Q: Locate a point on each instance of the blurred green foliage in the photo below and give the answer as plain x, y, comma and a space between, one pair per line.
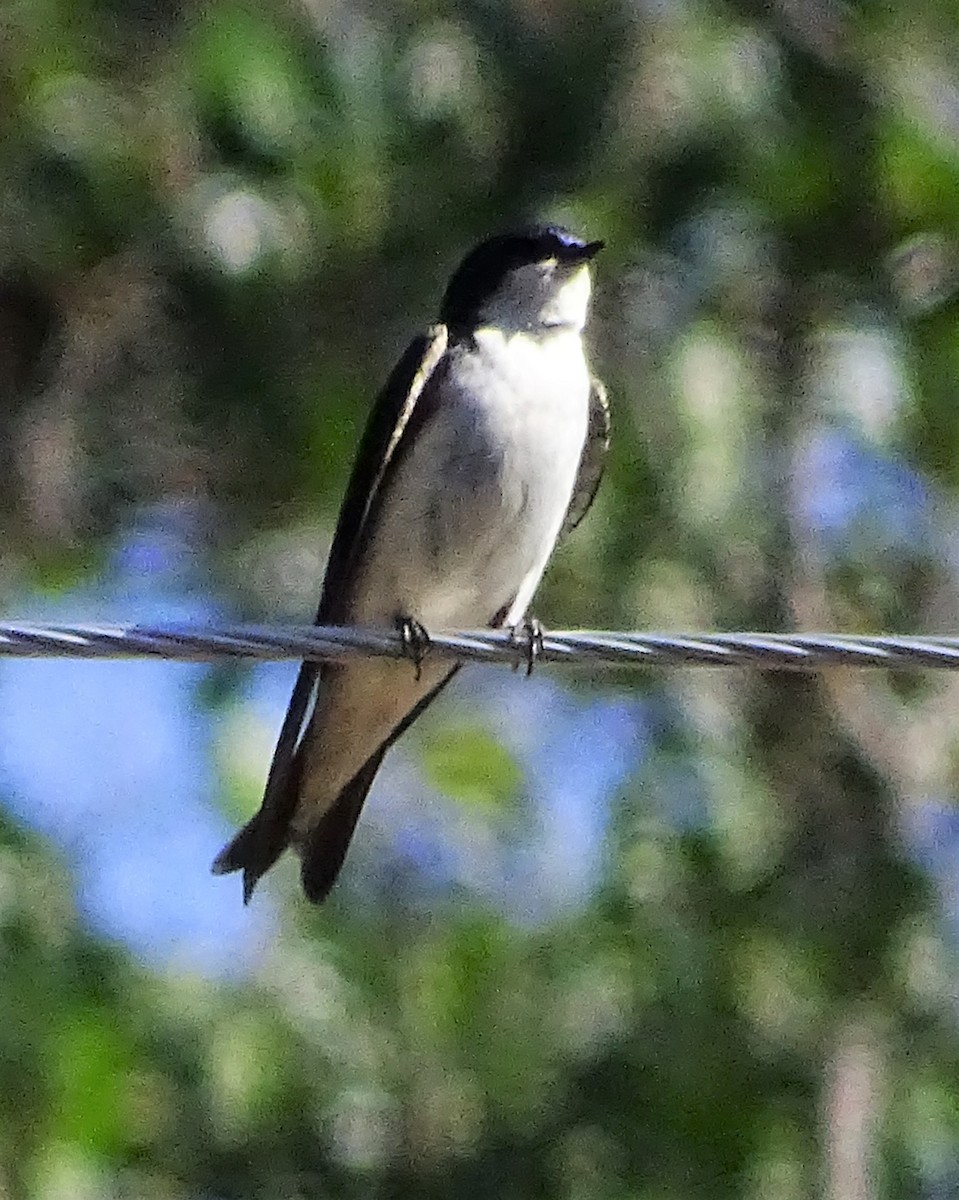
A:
220, 224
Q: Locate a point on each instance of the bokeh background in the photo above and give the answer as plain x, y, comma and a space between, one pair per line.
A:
608, 936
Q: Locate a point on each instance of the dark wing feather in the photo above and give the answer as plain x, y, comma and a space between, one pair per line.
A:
263, 839
387, 423
329, 839
593, 462
325, 850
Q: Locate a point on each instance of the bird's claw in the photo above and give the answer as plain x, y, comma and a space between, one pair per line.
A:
527, 634
416, 642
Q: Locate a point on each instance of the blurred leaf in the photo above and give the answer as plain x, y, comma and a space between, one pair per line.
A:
471, 766
90, 1073
228, 221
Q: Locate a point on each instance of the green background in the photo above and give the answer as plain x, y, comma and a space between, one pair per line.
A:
219, 225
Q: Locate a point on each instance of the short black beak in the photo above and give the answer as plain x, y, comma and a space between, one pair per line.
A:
579, 252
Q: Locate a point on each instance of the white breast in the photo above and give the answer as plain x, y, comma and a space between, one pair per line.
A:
476, 507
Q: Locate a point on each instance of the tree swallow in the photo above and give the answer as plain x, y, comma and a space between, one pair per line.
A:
485, 446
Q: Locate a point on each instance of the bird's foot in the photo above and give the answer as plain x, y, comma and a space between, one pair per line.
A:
416, 642
527, 634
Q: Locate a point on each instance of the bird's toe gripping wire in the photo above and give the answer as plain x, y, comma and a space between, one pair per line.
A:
527, 636
416, 641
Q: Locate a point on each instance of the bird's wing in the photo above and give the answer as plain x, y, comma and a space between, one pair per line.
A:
384, 431
262, 840
593, 462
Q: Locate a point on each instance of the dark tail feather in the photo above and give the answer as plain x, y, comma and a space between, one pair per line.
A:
253, 851
263, 839
325, 848
329, 839
266, 835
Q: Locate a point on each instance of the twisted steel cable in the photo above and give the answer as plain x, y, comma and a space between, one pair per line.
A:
187, 643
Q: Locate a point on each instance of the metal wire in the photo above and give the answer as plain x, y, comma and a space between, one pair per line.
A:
777, 651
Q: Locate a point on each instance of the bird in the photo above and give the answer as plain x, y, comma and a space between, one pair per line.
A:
486, 445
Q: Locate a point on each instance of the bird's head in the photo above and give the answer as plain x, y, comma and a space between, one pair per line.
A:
536, 281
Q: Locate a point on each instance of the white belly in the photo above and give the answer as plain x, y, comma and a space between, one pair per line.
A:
476, 506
